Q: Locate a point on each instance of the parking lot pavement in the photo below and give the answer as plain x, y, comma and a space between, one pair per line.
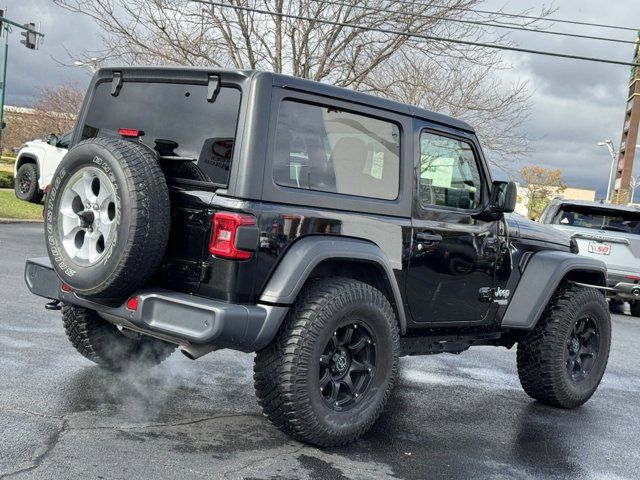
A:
452, 416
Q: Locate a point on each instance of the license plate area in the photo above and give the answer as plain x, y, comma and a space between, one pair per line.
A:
600, 248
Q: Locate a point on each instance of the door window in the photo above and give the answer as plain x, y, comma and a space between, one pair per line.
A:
449, 175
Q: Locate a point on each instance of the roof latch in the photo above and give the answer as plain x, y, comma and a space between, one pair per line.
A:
213, 88
116, 84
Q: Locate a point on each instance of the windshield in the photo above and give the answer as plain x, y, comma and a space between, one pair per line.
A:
174, 119
598, 218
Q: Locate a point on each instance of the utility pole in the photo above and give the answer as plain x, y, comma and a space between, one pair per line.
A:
32, 38
629, 135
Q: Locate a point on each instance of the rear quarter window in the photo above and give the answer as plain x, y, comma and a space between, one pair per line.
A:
332, 150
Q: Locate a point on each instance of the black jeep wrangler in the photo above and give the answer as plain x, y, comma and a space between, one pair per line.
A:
329, 231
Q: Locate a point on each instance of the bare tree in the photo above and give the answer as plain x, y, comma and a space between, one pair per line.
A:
58, 107
54, 111
456, 79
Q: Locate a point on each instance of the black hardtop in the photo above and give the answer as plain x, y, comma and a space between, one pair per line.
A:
200, 74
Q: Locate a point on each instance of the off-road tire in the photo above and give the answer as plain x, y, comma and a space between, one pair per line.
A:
33, 194
286, 372
102, 342
634, 308
542, 367
141, 224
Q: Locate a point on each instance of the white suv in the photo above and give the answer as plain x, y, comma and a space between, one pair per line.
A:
37, 161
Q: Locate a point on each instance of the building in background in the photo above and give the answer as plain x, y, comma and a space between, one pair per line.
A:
24, 124
627, 150
569, 193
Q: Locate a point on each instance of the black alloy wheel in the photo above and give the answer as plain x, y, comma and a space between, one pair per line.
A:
25, 182
582, 348
347, 365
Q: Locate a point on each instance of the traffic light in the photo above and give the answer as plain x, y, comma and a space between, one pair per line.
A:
30, 38
1, 24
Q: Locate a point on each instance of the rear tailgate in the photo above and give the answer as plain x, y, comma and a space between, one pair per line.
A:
608, 232
621, 252
189, 118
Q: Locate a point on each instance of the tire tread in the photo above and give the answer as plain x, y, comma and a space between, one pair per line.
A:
540, 354
279, 368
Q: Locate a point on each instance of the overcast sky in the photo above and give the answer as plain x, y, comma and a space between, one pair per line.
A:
575, 104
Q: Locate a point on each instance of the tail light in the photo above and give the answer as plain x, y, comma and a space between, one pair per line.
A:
132, 304
224, 230
130, 132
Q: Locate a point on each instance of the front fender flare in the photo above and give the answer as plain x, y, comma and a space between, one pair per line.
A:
540, 279
26, 157
304, 255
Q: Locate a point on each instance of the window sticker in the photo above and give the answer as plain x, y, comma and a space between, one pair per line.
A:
439, 171
377, 165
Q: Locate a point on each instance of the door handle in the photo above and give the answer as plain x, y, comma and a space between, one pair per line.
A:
428, 237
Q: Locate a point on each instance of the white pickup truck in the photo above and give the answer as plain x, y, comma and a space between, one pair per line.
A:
36, 162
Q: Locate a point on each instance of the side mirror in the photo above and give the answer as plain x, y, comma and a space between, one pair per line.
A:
52, 139
503, 197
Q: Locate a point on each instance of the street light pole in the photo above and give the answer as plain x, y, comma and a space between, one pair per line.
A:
614, 155
634, 182
91, 64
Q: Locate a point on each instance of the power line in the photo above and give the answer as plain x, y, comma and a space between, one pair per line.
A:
419, 35
528, 17
477, 22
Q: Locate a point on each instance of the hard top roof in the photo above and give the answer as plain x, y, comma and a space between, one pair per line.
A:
287, 81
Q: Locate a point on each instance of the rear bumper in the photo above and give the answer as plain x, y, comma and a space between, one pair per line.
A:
621, 287
178, 317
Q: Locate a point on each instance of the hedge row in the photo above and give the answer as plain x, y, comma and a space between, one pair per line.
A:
6, 180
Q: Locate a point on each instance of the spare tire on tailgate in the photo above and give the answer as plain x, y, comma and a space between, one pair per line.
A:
107, 217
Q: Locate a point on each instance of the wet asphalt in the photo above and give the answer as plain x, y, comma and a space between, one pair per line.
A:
451, 416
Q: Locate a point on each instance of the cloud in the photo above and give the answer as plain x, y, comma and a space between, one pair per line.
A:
30, 70
576, 104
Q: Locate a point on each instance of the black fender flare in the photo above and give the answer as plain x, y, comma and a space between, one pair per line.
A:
28, 158
303, 256
542, 275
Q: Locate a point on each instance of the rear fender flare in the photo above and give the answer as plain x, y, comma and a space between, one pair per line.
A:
543, 273
304, 255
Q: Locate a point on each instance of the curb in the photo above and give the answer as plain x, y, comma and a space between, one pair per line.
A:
19, 220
